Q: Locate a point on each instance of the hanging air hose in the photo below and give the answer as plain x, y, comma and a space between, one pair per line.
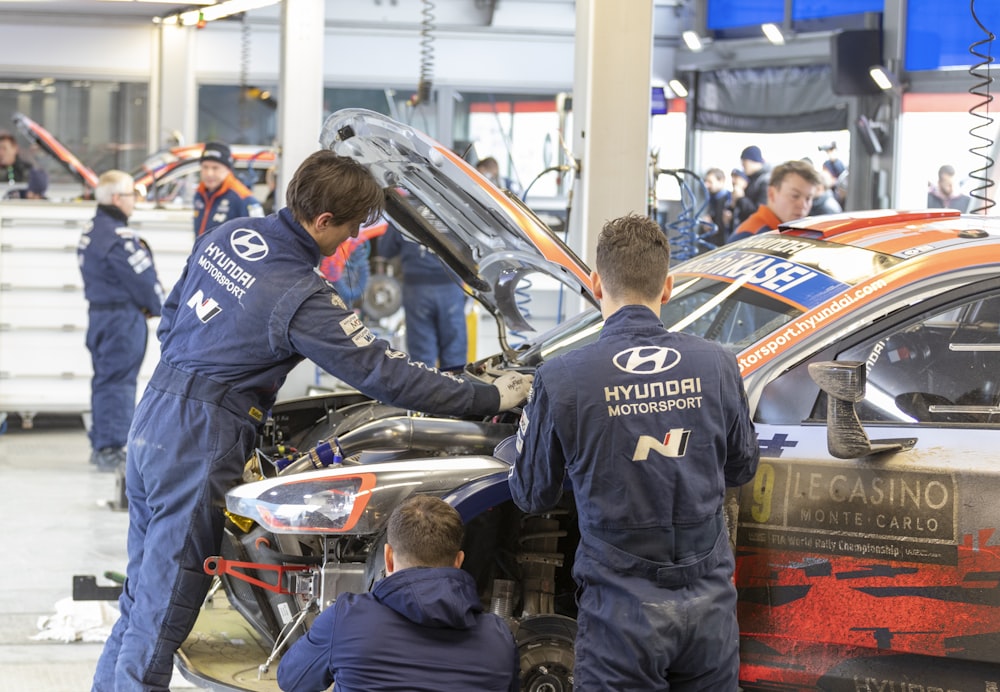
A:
981, 89
688, 233
427, 27
244, 69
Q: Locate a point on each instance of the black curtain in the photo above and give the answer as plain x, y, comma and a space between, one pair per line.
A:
769, 99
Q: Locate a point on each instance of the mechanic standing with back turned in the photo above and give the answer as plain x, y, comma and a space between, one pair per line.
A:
122, 289
248, 307
650, 427
220, 195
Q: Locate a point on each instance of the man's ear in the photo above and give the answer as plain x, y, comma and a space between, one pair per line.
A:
459, 559
668, 288
595, 283
390, 560
323, 220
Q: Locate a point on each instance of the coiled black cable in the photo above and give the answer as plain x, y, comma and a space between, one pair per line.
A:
427, 27
981, 71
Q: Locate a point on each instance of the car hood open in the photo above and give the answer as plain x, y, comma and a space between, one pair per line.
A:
488, 237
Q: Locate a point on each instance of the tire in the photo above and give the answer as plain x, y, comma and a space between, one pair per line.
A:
545, 646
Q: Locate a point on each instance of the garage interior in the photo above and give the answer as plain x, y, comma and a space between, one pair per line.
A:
597, 107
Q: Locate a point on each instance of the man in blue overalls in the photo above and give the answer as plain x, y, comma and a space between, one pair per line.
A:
649, 427
120, 283
433, 302
249, 306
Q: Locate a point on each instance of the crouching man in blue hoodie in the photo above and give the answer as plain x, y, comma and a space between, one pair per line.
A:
421, 628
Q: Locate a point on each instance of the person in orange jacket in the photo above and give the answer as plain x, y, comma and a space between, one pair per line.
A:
220, 195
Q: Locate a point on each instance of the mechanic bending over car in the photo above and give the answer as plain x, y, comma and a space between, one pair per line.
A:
248, 307
220, 195
122, 289
422, 627
649, 439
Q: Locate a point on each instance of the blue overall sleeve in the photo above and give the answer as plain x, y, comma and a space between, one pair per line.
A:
536, 478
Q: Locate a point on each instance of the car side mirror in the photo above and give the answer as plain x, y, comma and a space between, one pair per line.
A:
844, 384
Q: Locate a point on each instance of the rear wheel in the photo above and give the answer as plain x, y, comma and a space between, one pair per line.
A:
545, 645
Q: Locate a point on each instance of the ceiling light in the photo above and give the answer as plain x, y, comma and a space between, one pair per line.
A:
773, 33
213, 12
677, 86
692, 40
885, 79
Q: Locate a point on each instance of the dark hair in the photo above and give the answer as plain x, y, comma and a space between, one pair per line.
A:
326, 182
426, 531
804, 170
946, 170
716, 173
8, 136
633, 257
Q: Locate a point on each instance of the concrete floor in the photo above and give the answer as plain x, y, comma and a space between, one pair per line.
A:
56, 523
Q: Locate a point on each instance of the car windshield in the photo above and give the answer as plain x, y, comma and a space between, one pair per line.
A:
730, 314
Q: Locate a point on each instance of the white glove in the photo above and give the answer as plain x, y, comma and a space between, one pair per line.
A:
513, 388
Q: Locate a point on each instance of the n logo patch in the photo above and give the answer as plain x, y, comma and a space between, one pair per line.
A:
674, 444
204, 308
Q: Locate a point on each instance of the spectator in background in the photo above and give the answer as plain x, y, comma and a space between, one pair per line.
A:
38, 184
433, 302
739, 180
790, 194
491, 169
719, 209
944, 195
122, 289
833, 165
220, 195
825, 201
16, 173
758, 174
271, 180
426, 606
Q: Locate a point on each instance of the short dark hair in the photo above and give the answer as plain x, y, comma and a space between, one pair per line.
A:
804, 170
426, 531
946, 170
326, 182
4, 135
633, 257
716, 173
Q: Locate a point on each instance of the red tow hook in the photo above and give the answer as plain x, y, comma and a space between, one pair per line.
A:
217, 566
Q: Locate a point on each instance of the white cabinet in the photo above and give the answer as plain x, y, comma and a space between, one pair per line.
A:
44, 362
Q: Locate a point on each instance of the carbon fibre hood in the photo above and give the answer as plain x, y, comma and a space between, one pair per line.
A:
488, 238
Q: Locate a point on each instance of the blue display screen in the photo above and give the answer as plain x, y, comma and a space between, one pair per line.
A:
729, 14
938, 34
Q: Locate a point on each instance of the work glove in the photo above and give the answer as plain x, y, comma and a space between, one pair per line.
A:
513, 388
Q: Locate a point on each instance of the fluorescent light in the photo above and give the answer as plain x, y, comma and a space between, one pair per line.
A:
213, 12
773, 33
885, 80
677, 86
692, 40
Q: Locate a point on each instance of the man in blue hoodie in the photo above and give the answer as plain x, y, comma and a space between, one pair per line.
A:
420, 628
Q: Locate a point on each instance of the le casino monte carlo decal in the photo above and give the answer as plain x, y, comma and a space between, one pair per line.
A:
866, 513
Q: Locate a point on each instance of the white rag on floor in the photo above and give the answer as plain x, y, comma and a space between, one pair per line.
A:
88, 621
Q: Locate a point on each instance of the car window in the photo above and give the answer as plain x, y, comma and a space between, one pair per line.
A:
944, 368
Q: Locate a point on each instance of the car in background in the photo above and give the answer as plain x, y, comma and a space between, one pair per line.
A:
168, 177
867, 552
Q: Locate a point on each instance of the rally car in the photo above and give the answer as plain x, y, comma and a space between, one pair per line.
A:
866, 546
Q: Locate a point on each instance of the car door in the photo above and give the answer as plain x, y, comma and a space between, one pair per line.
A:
880, 572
